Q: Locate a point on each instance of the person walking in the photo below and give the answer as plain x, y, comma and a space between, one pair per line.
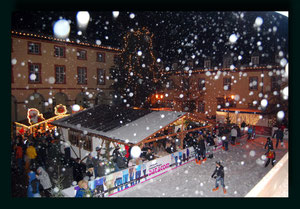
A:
250, 130
271, 157
201, 150
45, 181
269, 144
279, 136
243, 125
233, 134
219, 176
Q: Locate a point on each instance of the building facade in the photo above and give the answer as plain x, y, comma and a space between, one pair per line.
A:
209, 89
46, 71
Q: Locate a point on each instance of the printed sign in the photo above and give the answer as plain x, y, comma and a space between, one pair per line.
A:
124, 179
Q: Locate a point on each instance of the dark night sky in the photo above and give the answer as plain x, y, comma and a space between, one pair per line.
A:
177, 35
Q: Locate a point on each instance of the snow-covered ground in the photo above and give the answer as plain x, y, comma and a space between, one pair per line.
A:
243, 166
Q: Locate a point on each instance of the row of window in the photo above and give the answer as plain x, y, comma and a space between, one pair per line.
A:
60, 51
253, 83
227, 62
34, 76
80, 140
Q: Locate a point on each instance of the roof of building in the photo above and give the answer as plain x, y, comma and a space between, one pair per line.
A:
65, 41
119, 123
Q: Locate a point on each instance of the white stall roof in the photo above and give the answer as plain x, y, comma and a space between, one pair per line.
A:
143, 127
134, 131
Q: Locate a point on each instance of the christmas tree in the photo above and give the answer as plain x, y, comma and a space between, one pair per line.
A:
136, 75
58, 183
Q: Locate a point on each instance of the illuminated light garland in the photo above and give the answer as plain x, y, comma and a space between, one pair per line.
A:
36, 124
62, 40
57, 109
37, 114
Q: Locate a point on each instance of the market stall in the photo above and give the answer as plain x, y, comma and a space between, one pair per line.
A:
109, 126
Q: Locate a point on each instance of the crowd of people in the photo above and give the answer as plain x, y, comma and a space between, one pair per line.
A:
31, 153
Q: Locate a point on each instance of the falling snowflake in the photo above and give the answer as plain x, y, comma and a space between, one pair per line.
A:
132, 15
115, 14
263, 157
14, 61
258, 22
32, 77
98, 42
280, 115
233, 38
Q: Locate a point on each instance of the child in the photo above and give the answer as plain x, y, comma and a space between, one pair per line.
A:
271, 157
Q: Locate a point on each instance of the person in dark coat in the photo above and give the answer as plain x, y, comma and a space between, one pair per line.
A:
201, 150
90, 161
121, 162
243, 125
42, 153
19, 157
101, 169
149, 155
279, 136
118, 159
77, 170
219, 176
269, 144
271, 157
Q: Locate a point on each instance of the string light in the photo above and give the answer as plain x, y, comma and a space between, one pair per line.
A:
67, 41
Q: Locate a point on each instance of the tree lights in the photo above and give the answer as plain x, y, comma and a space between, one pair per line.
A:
137, 64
